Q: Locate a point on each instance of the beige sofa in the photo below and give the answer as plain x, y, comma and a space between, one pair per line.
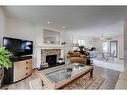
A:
76, 57
122, 81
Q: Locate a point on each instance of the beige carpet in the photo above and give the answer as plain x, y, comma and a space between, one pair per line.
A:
83, 83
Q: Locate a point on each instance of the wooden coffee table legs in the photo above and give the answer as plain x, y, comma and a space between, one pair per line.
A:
42, 83
91, 73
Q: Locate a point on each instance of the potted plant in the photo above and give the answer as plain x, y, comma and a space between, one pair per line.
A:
5, 58
81, 47
5, 61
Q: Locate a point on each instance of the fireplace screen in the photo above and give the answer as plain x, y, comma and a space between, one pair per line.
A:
51, 60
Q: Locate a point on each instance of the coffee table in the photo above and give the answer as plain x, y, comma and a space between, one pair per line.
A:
58, 77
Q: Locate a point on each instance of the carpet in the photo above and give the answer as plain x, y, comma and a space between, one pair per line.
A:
83, 83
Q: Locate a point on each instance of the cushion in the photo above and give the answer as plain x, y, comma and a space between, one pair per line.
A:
75, 55
70, 52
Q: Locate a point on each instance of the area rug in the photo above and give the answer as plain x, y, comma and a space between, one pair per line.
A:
86, 83
83, 83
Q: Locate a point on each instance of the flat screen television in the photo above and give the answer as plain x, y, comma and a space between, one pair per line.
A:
18, 47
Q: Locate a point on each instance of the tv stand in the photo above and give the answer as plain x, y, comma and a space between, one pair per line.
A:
20, 58
21, 68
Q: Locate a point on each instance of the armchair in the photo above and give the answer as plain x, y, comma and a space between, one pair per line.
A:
76, 57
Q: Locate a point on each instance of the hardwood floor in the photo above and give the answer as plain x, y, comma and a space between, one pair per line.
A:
110, 76
23, 84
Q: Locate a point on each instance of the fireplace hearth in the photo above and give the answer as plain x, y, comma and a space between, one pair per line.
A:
52, 62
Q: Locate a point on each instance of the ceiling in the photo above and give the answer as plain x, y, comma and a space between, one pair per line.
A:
71, 17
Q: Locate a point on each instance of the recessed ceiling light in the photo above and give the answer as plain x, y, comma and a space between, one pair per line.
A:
49, 22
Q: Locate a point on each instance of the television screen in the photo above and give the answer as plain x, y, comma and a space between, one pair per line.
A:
27, 47
13, 45
17, 46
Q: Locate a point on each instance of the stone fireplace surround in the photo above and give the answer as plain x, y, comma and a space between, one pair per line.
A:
40, 53
46, 52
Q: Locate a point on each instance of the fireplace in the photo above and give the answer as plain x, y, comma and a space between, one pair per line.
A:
51, 60
48, 52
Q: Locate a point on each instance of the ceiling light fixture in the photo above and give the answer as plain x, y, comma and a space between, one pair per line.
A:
49, 22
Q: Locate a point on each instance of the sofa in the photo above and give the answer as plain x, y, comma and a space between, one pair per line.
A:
76, 57
122, 81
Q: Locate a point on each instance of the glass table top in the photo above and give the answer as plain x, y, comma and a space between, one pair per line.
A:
67, 72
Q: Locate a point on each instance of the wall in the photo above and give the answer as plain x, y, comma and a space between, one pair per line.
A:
94, 32
17, 28
68, 38
20, 29
38, 35
125, 45
50, 35
2, 25
96, 42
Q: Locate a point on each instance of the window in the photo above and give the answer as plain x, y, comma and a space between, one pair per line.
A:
81, 42
105, 47
113, 48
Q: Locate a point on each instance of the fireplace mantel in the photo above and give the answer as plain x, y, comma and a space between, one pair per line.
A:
49, 46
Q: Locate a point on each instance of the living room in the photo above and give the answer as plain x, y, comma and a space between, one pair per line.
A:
72, 26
